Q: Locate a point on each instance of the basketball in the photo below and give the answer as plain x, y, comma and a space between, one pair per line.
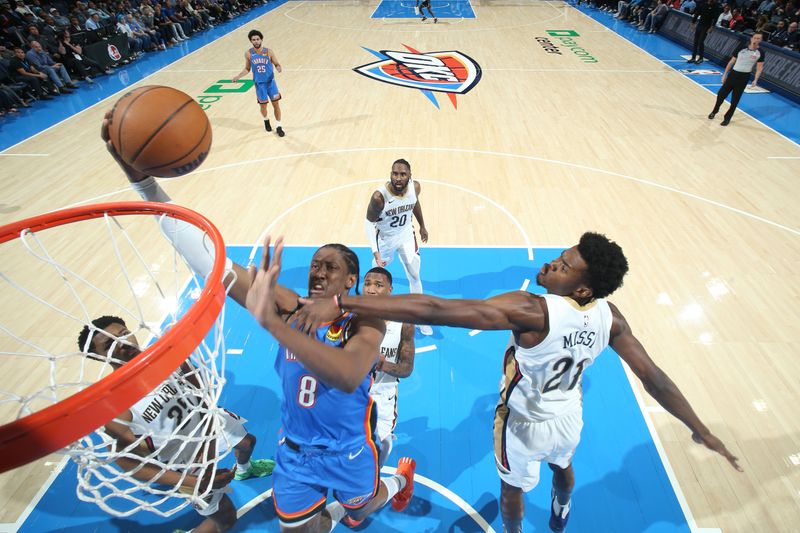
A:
160, 131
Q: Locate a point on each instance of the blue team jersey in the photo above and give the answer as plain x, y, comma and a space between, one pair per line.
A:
261, 66
315, 414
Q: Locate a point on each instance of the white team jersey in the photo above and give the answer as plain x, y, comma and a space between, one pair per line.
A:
390, 346
395, 219
159, 413
544, 382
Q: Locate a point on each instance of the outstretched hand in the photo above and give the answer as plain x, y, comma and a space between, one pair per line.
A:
263, 281
315, 311
713, 443
132, 174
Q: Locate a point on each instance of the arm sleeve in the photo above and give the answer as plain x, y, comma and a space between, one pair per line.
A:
187, 239
372, 234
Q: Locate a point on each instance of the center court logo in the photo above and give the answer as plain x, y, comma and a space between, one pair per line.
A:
450, 72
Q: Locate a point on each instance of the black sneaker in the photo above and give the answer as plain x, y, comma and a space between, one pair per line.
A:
558, 522
267, 126
435, 20
711, 115
424, 19
280, 131
725, 121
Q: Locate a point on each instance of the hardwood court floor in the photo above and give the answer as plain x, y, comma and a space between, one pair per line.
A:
543, 148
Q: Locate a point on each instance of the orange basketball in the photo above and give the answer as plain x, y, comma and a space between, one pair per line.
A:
160, 131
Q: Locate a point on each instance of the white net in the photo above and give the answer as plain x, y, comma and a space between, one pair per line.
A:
161, 454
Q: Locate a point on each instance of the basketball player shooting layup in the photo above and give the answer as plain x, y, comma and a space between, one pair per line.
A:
389, 228
555, 337
260, 60
328, 418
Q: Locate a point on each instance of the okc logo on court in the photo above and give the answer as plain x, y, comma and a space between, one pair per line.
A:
451, 72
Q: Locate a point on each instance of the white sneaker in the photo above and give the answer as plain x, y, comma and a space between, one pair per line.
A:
425, 330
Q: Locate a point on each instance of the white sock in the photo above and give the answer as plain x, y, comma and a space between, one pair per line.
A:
243, 467
336, 511
394, 484
559, 509
150, 190
277, 123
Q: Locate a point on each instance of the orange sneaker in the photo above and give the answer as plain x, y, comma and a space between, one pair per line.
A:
405, 467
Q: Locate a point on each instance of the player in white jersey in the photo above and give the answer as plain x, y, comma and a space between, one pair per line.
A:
396, 361
554, 338
162, 413
390, 229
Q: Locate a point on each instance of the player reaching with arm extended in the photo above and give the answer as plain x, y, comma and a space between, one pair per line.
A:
260, 60
554, 339
389, 226
328, 417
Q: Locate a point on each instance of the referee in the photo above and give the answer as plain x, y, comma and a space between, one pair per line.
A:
735, 80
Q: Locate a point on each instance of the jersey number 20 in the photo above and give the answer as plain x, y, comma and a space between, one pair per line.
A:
398, 221
307, 391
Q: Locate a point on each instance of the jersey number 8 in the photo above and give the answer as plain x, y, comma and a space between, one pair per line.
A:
307, 391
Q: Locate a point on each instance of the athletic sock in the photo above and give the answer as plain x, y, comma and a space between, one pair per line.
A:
512, 525
394, 484
243, 467
336, 511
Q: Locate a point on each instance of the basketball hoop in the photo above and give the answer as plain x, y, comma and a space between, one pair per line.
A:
75, 423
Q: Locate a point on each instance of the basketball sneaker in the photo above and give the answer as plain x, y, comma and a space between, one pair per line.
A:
267, 126
435, 20
559, 518
258, 468
280, 131
351, 522
405, 467
424, 18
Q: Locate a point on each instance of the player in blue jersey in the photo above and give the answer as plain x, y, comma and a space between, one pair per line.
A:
329, 419
261, 60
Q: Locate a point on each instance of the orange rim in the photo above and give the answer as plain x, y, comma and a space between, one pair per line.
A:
53, 428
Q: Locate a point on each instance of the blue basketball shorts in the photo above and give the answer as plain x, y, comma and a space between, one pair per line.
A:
303, 476
267, 92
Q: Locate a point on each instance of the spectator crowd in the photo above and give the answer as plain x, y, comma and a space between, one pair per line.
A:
42, 42
776, 19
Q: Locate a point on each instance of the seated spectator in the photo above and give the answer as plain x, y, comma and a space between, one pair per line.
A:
75, 25
24, 10
793, 37
93, 22
105, 17
737, 20
134, 43
139, 32
43, 62
60, 20
92, 67
20, 89
724, 19
655, 18
24, 72
166, 25
762, 23
10, 100
688, 6
780, 35
765, 7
